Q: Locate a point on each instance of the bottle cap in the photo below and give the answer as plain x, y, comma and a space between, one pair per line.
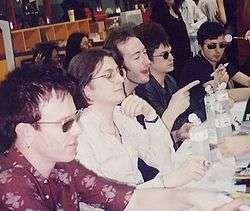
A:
193, 118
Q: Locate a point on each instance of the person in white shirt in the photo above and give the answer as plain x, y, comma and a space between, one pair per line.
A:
214, 10
112, 140
193, 18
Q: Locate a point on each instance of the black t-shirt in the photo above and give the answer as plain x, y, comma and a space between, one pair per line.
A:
199, 68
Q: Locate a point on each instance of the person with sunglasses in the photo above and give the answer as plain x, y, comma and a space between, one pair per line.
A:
162, 91
39, 143
210, 66
37, 167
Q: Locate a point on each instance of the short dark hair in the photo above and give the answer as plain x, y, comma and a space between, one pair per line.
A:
152, 35
209, 30
21, 93
116, 36
82, 67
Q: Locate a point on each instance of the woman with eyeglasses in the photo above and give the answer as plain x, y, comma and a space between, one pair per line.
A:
112, 139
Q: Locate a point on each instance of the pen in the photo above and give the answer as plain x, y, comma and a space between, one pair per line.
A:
225, 65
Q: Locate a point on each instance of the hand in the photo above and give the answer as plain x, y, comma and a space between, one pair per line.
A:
192, 169
183, 132
180, 100
233, 146
247, 35
133, 106
220, 75
233, 205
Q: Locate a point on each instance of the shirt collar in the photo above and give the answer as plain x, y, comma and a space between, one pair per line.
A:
222, 60
19, 161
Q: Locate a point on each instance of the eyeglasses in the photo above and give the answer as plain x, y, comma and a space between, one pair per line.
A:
67, 123
165, 55
214, 45
110, 75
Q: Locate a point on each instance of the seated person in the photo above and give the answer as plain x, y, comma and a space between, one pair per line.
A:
47, 53
161, 91
75, 44
113, 140
210, 59
41, 146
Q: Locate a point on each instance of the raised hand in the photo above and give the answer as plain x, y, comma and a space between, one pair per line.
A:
220, 75
133, 106
180, 100
183, 132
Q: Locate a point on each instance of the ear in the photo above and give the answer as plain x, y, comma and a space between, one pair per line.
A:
25, 132
88, 92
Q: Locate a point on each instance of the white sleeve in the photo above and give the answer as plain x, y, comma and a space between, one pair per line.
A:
193, 17
86, 154
154, 144
199, 18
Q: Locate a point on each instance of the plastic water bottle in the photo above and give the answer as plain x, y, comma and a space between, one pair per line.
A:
223, 119
210, 103
199, 137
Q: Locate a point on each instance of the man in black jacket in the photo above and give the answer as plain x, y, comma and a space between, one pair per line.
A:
161, 91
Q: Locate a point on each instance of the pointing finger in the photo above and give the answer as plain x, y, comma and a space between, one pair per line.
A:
189, 86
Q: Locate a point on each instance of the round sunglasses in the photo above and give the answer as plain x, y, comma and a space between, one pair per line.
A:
66, 124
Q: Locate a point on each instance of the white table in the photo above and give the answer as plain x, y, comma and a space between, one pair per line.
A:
219, 177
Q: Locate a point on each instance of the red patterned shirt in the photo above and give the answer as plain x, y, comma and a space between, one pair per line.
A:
22, 187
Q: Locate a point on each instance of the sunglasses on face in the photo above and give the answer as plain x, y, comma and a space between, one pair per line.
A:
214, 45
165, 55
66, 124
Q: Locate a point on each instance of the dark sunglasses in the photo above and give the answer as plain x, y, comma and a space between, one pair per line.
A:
67, 123
214, 45
165, 55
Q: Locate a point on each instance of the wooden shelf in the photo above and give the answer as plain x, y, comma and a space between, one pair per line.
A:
61, 32
18, 41
31, 37
26, 39
72, 27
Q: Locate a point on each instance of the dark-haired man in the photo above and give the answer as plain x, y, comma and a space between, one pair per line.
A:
161, 89
211, 38
131, 55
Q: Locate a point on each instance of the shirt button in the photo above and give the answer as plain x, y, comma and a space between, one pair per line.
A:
45, 181
47, 196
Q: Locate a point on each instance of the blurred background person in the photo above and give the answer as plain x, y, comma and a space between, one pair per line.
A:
166, 13
75, 44
193, 18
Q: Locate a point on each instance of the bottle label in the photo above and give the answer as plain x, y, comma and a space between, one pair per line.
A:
199, 136
222, 96
223, 122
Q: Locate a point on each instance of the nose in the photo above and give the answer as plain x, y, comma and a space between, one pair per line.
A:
170, 57
76, 129
146, 60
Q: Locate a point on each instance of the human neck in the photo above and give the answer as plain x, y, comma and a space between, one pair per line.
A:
129, 86
106, 112
41, 164
211, 62
159, 76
